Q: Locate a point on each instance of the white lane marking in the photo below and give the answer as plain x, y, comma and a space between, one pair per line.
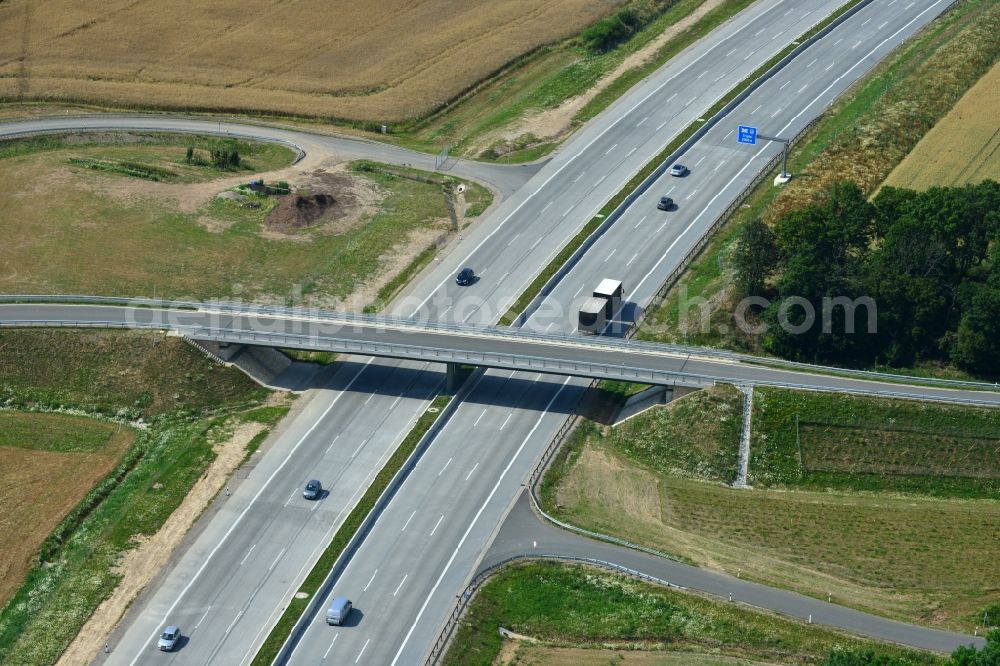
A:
690, 102
756, 110
362, 650
374, 573
908, 6
370, 396
757, 34
811, 63
248, 554
569, 210
535, 244
718, 78
829, 67
608, 151
883, 25
437, 524
233, 623
549, 326
702, 74
671, 97
610, 255
642, 121
546, 207
291, 497
660, 126
358, 450
719, 165
802, 88
776, 112
728, 135
782, 87
838, 41
866, 21
693, 192
327, 452
632, 259
396, 401
637, 225
579, 177
479, 419
514, 238
730, 53
203, 617
629, 153
600, 180
579, 290
399, 587
583, 150
273, 564
445, 467
408, 520
471, 471
445, 311
671, 190
701, 160
505, 420
788, 12
759, 152
475, 519
776, 35
856, 45
327, 653
891, 3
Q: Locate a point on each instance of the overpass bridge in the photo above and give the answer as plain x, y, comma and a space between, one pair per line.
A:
459, 344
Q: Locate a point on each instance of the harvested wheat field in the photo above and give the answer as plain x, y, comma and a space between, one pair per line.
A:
385, 60
964, 146
48, 462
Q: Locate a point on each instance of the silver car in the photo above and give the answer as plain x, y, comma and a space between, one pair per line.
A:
169, 638
678, 170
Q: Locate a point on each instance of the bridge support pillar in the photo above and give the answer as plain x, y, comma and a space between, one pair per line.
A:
453, 378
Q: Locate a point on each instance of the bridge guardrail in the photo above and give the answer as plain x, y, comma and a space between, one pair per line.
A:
628, 345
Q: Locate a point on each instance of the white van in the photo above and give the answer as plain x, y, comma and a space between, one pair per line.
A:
339, 609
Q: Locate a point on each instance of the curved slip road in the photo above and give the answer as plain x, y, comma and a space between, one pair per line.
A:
505, 179
524, 534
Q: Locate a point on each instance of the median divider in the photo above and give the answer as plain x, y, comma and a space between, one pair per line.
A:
291, 626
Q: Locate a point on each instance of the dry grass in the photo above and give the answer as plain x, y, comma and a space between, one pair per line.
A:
41, 481
517, 653
964, 147
386, 60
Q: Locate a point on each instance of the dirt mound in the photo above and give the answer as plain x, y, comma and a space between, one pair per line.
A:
298, 212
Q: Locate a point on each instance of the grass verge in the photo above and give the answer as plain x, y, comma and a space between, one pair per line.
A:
186, 403
880, 515
279, 634
561, 605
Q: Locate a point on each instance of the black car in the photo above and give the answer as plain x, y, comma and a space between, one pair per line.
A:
665, 203
313, 490
465, 277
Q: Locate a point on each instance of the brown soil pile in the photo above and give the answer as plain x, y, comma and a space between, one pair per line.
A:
298, 212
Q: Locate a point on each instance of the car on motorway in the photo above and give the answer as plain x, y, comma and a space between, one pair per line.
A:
465, 277
169, 638
338, 611
666, 203
313, 490
678, 170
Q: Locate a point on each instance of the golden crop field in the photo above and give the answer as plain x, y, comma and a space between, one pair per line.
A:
380, 60
963, 147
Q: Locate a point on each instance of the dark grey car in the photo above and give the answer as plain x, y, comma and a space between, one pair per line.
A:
666, 203
313, 490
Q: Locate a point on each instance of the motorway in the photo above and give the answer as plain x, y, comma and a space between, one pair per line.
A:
465, 483
549, 354
428, 540
507, 248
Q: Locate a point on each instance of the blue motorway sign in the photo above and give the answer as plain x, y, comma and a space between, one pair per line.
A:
747, 134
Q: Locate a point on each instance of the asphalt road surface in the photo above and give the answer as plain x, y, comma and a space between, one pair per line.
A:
437, 566
547, 354
524, 534
505, 179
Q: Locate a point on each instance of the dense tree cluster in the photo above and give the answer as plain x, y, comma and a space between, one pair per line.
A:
929, 261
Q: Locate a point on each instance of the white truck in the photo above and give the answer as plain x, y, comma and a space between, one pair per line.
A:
601, 307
